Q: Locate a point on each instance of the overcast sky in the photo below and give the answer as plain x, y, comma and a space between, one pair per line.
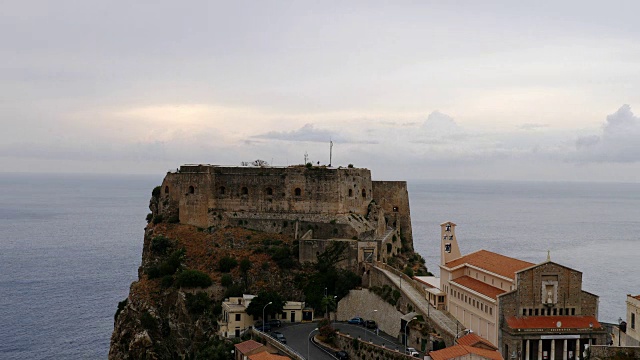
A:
542, 90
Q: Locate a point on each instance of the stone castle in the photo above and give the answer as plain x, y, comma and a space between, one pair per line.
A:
315, 204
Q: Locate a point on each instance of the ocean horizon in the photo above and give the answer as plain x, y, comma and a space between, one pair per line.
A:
71, 244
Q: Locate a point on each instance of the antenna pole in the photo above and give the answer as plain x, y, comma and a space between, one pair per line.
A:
330, 151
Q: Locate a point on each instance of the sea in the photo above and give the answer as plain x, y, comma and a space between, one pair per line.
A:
70, 246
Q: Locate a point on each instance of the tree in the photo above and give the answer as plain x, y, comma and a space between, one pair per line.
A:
257, 304
328, 304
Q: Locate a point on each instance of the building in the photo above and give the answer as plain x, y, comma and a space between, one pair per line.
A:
468, 347
314, 204
528, 311
235, 320
247, 348
633, 330
431, 286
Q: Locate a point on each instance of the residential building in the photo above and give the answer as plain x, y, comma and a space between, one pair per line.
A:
528, 311
633, 328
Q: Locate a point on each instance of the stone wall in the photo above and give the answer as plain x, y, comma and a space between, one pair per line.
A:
602, 352
364, 350
393, 197
387, 316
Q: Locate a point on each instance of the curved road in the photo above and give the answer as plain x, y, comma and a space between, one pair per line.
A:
298, 338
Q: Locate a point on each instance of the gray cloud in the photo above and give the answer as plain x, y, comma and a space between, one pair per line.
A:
619, 141
533, 126
309, 133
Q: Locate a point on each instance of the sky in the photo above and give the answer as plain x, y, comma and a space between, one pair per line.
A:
503, 90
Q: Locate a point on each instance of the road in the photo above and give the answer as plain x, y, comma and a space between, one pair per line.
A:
298, 334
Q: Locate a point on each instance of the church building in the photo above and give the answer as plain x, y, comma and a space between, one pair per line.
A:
528, 311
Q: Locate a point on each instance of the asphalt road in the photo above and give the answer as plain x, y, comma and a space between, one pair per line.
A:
298, 338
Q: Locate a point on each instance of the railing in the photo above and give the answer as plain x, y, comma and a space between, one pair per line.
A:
278, 345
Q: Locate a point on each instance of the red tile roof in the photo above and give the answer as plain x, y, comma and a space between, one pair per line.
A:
552, 322
637, 297
478, 286
461, 350
490, 261
247, 346
472, 339
267, 356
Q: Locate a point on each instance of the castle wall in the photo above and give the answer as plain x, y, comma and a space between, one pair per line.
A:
202, 189
393, 197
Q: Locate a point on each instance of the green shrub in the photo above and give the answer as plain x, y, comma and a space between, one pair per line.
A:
350, 166
158, 219
192, 279
148, 321
173, 219
121, 306
166, 267
245, 265
408, 271
226, 280
167, 281
160, 244
227, 263
198, 303
156, 192
149, 217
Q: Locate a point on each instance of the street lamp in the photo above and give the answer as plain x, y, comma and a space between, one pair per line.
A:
619, 331
405, 333
269, 303
309, 338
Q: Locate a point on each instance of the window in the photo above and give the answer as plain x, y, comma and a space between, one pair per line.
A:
297, 192
633, 320
395, 209
490, 311
244, 191
238, 317
364, 193
269, 191
283, 316
166, 189
561, 311
530, 312
191, 189
573, 311
350, 193
535, 312
222, 190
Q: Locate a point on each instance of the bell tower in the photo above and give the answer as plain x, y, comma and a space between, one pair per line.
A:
449, 249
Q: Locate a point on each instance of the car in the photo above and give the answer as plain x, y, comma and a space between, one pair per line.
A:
413, 352
356, 320
265, 328
274, 323
279, 336
370, 324
341, 355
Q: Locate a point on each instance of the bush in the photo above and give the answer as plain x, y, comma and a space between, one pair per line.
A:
227, 263
173, 219
408, 271
158, 219
149, 217
160, 245
166, 267
167, 281
156, 191
148, 321
121, 306
350, 166
198, 303
226, 280
192, 279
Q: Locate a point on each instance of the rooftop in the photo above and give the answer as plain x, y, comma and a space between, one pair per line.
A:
431, 281
473, 339
553, 322
492, 262
247, 346
478, 286
267, 356
461, 350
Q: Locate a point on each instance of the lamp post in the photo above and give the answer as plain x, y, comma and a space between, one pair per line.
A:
269, 303
335, 313
406, 338
619, 331
309, 341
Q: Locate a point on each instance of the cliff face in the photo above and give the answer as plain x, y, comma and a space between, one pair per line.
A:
166, 316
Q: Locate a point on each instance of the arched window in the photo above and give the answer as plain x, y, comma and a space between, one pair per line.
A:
244, 191
166, 189
191, 189
269, 191
298, 192
364, 193
222, 190
350, 193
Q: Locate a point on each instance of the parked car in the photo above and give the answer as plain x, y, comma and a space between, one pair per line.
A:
274, 323
356, 320
279, 336
413, 352
341, 355
370, 324
265, 328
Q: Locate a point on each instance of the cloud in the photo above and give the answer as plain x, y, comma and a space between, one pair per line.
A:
440, 124
618, 142
309, 133
533, 126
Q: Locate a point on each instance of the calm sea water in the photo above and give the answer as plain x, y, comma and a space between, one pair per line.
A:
71, 245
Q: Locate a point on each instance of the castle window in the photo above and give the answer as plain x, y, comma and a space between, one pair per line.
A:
297, 192
244, 191
222, 190
191, 189
395, 209
364, 193
350, 193
166, 189
633, 320
269, 191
